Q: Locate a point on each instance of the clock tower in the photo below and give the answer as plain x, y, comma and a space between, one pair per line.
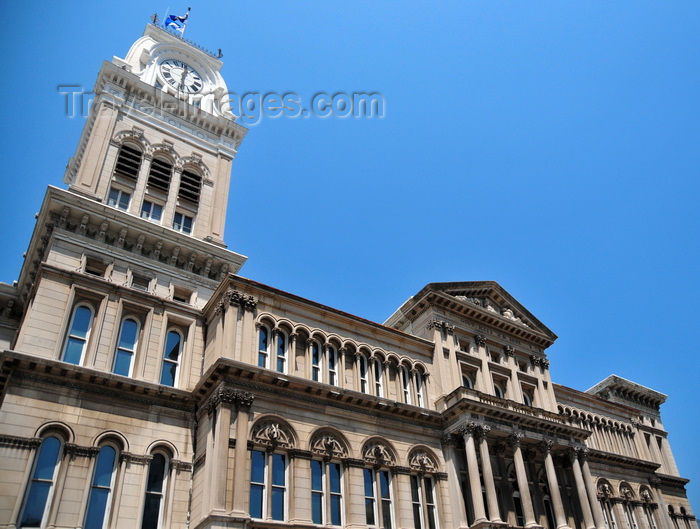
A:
160, 141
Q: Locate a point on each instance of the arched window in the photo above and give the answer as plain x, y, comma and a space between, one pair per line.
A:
101, 491
498, 390
378, 377
281, 352
467, 381
78, 335
263, 346
190, 186
406, 385
326, 492
332, 363
171, 359
40, 491
420, 389
316, 359
155, 491
527, 399
362, 372
126, 347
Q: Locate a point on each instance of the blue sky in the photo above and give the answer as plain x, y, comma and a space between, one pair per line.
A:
549, 146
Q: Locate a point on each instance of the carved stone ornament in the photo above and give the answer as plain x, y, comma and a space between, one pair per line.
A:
129, 458
19, 442
420, 461
646, 496
654, 481
480, 340
626, 493
378, 455
508, 350
74, 451
272, 435
442, 325
515, 439
233, 297
604, 491
328, 446
227, 396
545, 446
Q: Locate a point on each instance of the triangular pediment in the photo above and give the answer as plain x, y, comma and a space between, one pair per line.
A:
486, 302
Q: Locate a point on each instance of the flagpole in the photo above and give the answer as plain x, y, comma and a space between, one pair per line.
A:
165, 18
184, 24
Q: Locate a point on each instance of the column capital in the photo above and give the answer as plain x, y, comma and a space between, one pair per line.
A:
480, 340
545, 446
515, 439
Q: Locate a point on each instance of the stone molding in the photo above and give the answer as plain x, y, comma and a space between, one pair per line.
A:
24, 443
74, 450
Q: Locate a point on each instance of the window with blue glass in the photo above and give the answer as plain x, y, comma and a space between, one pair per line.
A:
171, 359
41, 487
263, 346
423, 501
378, 499
126, 347
316, 359
78, 335
155, 491
101, 490
326, 493
268, 486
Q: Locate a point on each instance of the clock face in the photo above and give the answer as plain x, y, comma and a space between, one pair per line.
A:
181, 76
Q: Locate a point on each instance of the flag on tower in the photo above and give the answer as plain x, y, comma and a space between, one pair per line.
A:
176, 22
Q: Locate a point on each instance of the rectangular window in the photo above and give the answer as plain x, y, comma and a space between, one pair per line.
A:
378, 503
151, 211
182, 223
326, 495
95, 267
140, 283
268, 485
423, 500
118, 199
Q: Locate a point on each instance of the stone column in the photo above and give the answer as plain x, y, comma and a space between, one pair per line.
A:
140, 188
591, 490
169, 208
300, 494
448, 448
525, 498
581, 488
244, 401
559, 515
664, 518
487, 472
468, 431
219, 408
486, 385
404, 511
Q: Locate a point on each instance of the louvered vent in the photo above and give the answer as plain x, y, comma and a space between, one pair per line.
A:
128, 162
159, 175
190, 186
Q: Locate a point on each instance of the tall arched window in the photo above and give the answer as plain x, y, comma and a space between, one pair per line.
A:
517, 502
171, 359
281, 360
378, 377
126, 347
316, 359
155, 491
101, 491
420, 389
406, 384
332, 365
467, 381
263, 346
362, 372
78, 335
40, 491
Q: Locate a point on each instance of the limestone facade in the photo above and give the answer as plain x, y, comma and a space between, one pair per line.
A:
146, 384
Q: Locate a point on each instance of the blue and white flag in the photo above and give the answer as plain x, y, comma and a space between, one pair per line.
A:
177, 23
